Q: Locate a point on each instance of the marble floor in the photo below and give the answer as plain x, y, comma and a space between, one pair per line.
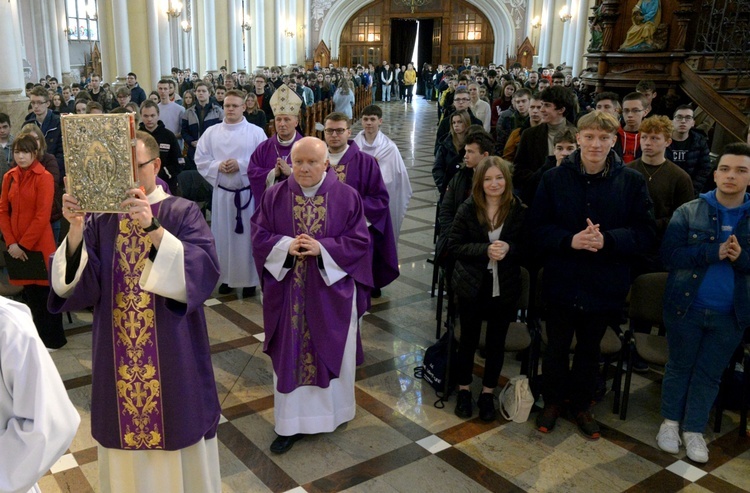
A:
398, 441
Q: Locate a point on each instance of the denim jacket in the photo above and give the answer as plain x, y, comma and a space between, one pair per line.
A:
691, 243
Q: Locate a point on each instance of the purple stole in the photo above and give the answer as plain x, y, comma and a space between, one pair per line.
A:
137, 372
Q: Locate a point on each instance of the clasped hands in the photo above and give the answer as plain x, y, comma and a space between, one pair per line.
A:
498, 250
730, 249
229, 166
304, 246
590, 239
281, 168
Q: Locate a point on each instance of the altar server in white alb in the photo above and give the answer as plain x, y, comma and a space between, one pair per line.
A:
375, 143
222, 157
37, 419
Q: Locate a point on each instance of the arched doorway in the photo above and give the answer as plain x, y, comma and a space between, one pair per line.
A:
454, 29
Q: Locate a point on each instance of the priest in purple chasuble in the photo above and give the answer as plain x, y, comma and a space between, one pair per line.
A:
147, 273
361, 172
222, 157
271, 161
312, 249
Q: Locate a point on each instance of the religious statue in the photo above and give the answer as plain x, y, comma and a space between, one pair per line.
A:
595, 26
643, 35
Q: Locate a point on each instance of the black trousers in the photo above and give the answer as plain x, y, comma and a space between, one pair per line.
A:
408, 93
498, 315
560, 381
49, 326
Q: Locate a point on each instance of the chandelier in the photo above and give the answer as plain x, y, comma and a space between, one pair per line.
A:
413, 4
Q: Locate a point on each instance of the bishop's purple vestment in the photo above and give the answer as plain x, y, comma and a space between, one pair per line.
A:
263, 160
361, 172
152, 379
306, 321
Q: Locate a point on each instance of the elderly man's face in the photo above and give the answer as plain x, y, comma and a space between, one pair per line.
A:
309, 161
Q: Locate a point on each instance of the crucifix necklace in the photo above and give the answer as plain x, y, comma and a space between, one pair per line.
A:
651, 175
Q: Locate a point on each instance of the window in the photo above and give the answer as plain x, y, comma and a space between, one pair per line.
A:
366, 27
82, 20
466, 24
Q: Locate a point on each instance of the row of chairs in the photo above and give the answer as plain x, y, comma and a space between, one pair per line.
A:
619, 344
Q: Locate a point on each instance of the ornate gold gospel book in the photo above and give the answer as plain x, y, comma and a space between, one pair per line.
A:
99, 159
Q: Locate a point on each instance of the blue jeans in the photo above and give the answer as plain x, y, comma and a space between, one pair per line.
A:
700, 346
386, 92
428, 91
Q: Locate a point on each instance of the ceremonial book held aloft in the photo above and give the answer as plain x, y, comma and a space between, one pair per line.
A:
100, 159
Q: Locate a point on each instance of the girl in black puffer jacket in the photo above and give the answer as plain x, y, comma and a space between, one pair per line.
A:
484, 240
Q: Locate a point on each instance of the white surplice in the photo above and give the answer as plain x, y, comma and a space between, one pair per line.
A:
37, 420
396, 179
310, 409
219, 143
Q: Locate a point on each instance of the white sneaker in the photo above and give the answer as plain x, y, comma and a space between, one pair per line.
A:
697, 451
668, 438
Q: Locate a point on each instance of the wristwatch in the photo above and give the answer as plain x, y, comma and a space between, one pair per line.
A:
155, 224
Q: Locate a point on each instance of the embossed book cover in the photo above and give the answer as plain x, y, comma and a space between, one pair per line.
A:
99, 159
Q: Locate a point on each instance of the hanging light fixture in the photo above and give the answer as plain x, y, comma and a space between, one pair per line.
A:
413, 4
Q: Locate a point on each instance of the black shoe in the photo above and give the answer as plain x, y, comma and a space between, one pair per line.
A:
463, 404
225, 289
376, 293
248, 292
546, 419
486, 405
284, 444
588, 425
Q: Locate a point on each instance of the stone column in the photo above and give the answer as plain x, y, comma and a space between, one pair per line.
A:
209, 32
232, 34
545, 40
165, 44
13, 102
291, 19
51, 30
259, 40
280, 44
62, 39
152, 9
122, 39
581, 22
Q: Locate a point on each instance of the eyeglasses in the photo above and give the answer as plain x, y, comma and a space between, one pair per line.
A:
635, 112
680, 118
465, 100
38, 103
337, 131
141, 165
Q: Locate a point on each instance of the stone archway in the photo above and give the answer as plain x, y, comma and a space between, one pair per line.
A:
497, 14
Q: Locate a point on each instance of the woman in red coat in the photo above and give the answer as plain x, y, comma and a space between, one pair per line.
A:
25, 207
